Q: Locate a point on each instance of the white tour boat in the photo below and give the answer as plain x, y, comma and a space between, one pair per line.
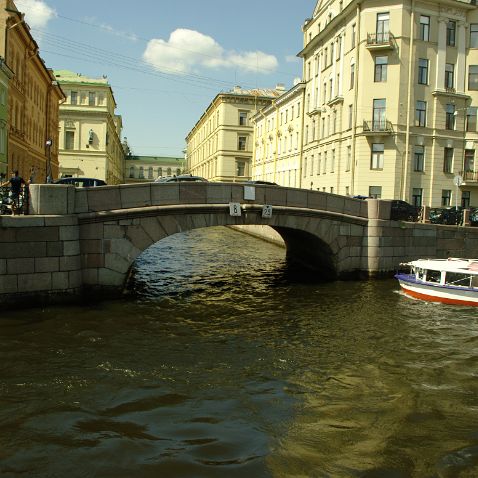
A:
451, 281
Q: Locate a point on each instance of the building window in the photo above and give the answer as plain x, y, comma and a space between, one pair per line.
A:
350, 116
69, 140
324, 170
352, 75
424, 28
91, 98
379, 114
421, 113
348, 162
74, 97
160, 172
242, 118
382, 27
471, 118
449, 75
423, 71
150, 172
417, 195
240, 168
381, 63
448, 160
450, 33
450, 116
241, 143
469, 160
473, 77
474, 35
465, 199
445, 197
378, 150
419, 158
131, 172
305, 166
332, 161
375, 192
352, 37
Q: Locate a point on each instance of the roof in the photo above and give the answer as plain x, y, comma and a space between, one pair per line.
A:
463, 266
67, 76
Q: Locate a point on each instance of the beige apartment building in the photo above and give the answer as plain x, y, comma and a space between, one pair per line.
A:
90, 131
31, 142
390, 103
278, 147
220, 145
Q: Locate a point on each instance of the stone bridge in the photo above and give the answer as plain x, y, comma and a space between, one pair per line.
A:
86, 239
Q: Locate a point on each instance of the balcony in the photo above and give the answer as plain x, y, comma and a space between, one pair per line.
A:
380, 127
469, 176
380, 41
450, 91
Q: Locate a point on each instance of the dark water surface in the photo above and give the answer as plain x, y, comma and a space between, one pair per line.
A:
225, 366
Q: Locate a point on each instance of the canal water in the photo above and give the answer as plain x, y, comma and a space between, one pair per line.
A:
225, 364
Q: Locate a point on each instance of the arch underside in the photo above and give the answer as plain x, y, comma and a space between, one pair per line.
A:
330, 247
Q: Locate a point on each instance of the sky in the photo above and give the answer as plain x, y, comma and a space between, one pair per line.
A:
166, 60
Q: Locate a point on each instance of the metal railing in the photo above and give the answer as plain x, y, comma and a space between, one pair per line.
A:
380, 126
11, 203
380, 39
469, 175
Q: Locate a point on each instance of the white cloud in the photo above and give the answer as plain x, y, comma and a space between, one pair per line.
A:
111, 30
37, 12
186, 50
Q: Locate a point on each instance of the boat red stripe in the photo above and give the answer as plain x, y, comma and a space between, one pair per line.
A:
433, 298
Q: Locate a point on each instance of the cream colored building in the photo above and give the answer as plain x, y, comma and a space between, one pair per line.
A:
30, 136
220, 145
278, 139
140, 169
390, 101
90, 131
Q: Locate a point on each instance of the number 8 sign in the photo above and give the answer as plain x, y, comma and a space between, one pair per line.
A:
234, 209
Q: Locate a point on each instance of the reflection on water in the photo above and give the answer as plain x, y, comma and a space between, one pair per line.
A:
224, 366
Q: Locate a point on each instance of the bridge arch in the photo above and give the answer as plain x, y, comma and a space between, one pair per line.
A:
111, 241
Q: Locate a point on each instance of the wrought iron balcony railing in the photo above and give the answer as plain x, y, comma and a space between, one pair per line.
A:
380, 40
470, 176
377, 126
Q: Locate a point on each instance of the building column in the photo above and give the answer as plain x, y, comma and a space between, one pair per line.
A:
441, 54
460, 62
341, 66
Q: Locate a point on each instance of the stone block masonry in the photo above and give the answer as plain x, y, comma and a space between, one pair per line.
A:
85, 240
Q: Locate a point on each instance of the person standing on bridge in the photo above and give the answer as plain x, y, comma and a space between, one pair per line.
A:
16, 182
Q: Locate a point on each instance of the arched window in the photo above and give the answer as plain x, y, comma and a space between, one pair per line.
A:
150, 172
141, 172
178, 171
131, 172
169, 171
160, 172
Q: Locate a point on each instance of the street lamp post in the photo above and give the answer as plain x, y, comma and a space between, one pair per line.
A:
48, 174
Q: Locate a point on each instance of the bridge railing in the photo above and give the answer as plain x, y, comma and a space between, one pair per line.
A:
11, 203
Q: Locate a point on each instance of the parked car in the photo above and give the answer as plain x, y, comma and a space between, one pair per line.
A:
446, 215
260, 182
81, 182
474, 216
187, 178
403, 211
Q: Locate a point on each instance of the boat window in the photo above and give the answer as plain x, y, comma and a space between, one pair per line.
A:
454, 278
420, 273
433, 276
474, 281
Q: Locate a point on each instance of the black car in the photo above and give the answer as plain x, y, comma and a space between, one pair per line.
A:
81, 182
474, 216
260, 182
403, 211
182, 178
446, 215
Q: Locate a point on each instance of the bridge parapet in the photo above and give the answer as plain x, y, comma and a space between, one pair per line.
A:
66, 199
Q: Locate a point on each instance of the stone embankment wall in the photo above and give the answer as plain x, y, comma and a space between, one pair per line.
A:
39, 259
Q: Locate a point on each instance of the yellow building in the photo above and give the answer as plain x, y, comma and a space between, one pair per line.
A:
278, 147
220, 145
140, 169
33, 100
90, 131
390, 102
